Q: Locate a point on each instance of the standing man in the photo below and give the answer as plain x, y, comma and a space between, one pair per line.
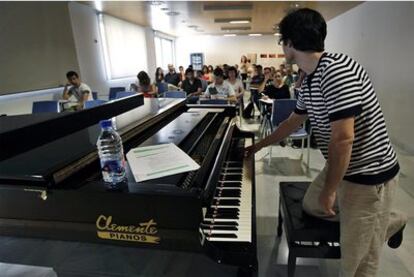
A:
361, 172
79, 90
172, 77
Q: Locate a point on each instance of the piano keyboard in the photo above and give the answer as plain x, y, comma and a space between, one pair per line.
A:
229, 218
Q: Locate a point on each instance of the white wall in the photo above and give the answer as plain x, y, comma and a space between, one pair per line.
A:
219, 49
91, 64
380, 35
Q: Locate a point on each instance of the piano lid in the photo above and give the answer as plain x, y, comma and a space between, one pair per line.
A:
21, 133
40, 161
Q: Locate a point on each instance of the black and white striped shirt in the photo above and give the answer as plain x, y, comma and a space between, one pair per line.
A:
340, 88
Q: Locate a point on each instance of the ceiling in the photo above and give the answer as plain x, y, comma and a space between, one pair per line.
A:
181, 18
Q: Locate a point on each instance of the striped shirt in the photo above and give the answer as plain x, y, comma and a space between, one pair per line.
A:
340, 88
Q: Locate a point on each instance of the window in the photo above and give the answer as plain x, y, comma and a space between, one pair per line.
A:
164, 51
124, 47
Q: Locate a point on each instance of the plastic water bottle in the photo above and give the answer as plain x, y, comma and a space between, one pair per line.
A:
111, 154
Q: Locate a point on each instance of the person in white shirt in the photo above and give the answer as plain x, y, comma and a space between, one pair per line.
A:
236, 83
75, 88
220, 89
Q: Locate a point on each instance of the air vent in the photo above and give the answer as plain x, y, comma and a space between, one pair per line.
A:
227, 6
236, 28
172, 13
242, 20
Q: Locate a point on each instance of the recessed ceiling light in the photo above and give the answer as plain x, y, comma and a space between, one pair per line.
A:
229, 35
255, 35
239, 22
172, 13
164, 9
297, 5
156, 3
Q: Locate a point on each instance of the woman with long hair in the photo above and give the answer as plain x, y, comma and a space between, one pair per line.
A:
144, 85
206, 73
159, 75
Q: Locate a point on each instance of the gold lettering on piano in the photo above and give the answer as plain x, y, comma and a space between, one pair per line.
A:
143, 232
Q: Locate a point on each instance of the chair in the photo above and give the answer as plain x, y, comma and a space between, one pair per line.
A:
123, 94
281, 110
95, 95
161, 87
113, 91
46, 107
214, 101
175, 94
93, 103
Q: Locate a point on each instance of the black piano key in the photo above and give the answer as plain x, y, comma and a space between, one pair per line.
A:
226, 210
230, 184
223, 228
226, 202
223, 216
228, 193
220, 223
232, 170
233, 236
231, 177
223, 211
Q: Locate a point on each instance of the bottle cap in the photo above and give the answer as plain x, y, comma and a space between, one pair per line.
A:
105, 123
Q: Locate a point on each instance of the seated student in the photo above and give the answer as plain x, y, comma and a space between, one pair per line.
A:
172, 77
204, 83
181, 73
220, 89
191, 85
276, 89
236, 83
143, 85
78, 90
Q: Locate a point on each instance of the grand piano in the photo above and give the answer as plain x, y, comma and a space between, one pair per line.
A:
51, 186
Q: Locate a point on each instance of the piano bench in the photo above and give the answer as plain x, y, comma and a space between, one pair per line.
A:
307, 236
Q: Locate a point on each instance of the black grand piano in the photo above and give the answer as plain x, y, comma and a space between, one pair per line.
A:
51, 186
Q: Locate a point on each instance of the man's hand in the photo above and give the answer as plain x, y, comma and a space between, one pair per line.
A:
327, 201
249, 151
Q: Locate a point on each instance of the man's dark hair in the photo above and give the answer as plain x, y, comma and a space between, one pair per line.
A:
267, 68
70, 74
232, 68
189, 70
305, 28
218, 72
259, 67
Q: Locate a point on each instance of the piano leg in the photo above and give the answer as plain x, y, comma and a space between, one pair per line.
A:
291, 263
280, 220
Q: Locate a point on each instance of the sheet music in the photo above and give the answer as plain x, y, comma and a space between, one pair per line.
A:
156, 161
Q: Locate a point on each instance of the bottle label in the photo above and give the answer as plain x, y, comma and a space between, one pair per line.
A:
111, 167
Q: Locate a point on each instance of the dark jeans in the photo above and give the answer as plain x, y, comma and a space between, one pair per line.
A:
255, 97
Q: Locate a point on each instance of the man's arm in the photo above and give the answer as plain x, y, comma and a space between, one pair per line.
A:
66, 93
85, 97
283, 130
339, 155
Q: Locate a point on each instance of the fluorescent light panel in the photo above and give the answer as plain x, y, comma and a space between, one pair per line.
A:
255, 35
229, 35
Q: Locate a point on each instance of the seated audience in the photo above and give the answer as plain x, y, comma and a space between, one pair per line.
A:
206, 73
236, 83
172, 77
288, 78
159, 75
268, 78
144, 85
191, 85
276, 89
80, 91
182, 73
210, 73
220, 89
257, 80
204, 82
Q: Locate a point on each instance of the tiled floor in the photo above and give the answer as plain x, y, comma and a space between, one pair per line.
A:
88, 260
